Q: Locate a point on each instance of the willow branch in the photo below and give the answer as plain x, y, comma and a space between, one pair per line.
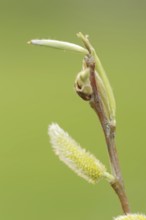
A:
109, 132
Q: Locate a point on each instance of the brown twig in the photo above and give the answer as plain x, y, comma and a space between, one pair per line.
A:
109, 132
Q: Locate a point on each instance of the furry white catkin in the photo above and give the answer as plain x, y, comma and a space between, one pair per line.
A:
76, 158
131, 217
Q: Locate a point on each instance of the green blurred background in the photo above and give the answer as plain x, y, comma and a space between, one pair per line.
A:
36, 88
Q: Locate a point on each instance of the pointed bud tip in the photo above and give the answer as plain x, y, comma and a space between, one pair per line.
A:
29, 42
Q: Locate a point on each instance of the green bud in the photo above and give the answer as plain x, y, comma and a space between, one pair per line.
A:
82, 84
106, 90
84, 89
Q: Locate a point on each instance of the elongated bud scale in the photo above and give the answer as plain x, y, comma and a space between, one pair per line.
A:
78, 159
131, 217
59, 45
111, 107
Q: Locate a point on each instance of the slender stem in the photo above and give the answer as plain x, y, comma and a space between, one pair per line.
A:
118, 185
110, 140
118, 188
109, 132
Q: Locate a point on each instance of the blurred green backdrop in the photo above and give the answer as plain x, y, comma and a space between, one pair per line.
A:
36, 88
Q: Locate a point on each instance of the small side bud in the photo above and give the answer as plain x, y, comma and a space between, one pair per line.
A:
82, 84
59, 45
76, 158
84, 89
131, 217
